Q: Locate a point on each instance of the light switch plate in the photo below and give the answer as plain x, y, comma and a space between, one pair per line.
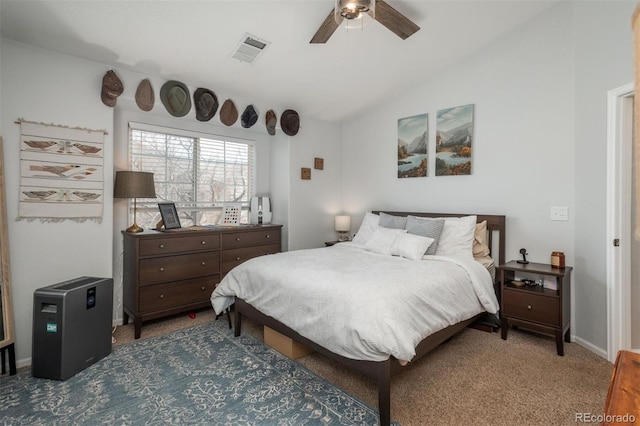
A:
560, 213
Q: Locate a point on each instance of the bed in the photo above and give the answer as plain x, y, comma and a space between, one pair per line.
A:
372, 311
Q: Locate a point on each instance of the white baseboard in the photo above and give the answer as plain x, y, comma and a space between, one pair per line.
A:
25, 362
596, 350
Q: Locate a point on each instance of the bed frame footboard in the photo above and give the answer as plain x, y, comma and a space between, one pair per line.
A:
380, 371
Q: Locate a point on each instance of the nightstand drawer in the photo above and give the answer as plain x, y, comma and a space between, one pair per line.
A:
170, 295
242, 239
155, 246
232, 258
163, 269
531, 307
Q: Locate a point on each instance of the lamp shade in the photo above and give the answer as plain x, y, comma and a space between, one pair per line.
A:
342, 223
134, 185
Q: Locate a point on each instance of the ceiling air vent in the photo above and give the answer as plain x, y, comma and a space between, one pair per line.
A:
249, 48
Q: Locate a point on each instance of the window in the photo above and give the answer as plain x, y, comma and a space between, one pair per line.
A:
197, 172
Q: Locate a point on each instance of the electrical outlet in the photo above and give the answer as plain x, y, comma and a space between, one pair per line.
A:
560, 213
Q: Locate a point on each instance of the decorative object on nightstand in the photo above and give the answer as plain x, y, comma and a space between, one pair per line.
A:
540, 308
557, 259
343, 226
134, 185
523, 252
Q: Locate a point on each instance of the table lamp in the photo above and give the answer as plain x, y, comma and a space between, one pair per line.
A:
342, 226
134, 185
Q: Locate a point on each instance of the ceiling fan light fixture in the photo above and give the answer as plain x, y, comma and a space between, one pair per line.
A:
353, 9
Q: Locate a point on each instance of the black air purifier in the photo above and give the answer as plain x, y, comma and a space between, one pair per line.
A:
71, 326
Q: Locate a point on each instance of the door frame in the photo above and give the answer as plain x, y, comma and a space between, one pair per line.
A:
619, 174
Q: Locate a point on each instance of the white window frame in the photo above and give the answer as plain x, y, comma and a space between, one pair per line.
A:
189, 215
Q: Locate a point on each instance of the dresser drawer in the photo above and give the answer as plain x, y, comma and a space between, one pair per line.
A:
234, 257
171, 268
156, 246
242, 239
531, 307
171, 295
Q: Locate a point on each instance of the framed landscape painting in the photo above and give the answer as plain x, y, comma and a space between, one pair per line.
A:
454, 137
413, 140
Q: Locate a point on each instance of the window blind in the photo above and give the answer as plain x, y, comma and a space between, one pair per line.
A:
198, 172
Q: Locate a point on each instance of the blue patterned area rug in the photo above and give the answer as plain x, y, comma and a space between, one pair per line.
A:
202, 375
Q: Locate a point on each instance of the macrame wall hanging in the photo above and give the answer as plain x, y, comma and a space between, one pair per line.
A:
61, 173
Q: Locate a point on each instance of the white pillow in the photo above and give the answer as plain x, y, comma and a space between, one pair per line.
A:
411, 246
382, 240
457, 237
369, 224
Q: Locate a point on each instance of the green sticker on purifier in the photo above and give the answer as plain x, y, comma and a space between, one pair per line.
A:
52, 327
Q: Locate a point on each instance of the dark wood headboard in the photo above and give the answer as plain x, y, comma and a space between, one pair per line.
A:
495, 225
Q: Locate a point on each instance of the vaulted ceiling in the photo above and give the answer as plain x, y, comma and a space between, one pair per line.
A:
193, 40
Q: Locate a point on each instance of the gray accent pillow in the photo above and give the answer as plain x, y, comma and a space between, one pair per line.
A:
425, 227
391, 221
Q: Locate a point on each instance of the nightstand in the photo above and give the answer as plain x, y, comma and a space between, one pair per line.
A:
537, 308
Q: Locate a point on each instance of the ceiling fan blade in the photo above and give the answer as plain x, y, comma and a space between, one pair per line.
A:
327, 28
394, 20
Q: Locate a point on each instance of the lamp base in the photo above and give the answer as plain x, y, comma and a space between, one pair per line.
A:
343, 236
134, 228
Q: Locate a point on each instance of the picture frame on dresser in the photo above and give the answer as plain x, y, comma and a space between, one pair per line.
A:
169, 215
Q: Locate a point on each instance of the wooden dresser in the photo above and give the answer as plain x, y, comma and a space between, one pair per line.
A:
165, 273
623, 399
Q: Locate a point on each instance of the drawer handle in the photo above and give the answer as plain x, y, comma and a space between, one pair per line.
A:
238, 258
161, 269
161, 246
237, 238
203, 288
203, 242
162, 296
529, 307
268, 236
203, 263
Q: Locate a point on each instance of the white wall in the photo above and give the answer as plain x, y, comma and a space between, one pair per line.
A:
603, 61
539, 94
522, 150
44, 87
314, 202
540, 135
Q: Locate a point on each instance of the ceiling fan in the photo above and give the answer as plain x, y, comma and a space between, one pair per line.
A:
354, 9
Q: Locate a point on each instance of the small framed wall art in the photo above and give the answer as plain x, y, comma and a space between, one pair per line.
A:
318, 163
305, 173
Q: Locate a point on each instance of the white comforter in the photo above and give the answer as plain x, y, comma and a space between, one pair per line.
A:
360, 304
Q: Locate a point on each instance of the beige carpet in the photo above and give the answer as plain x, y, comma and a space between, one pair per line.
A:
474, 379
